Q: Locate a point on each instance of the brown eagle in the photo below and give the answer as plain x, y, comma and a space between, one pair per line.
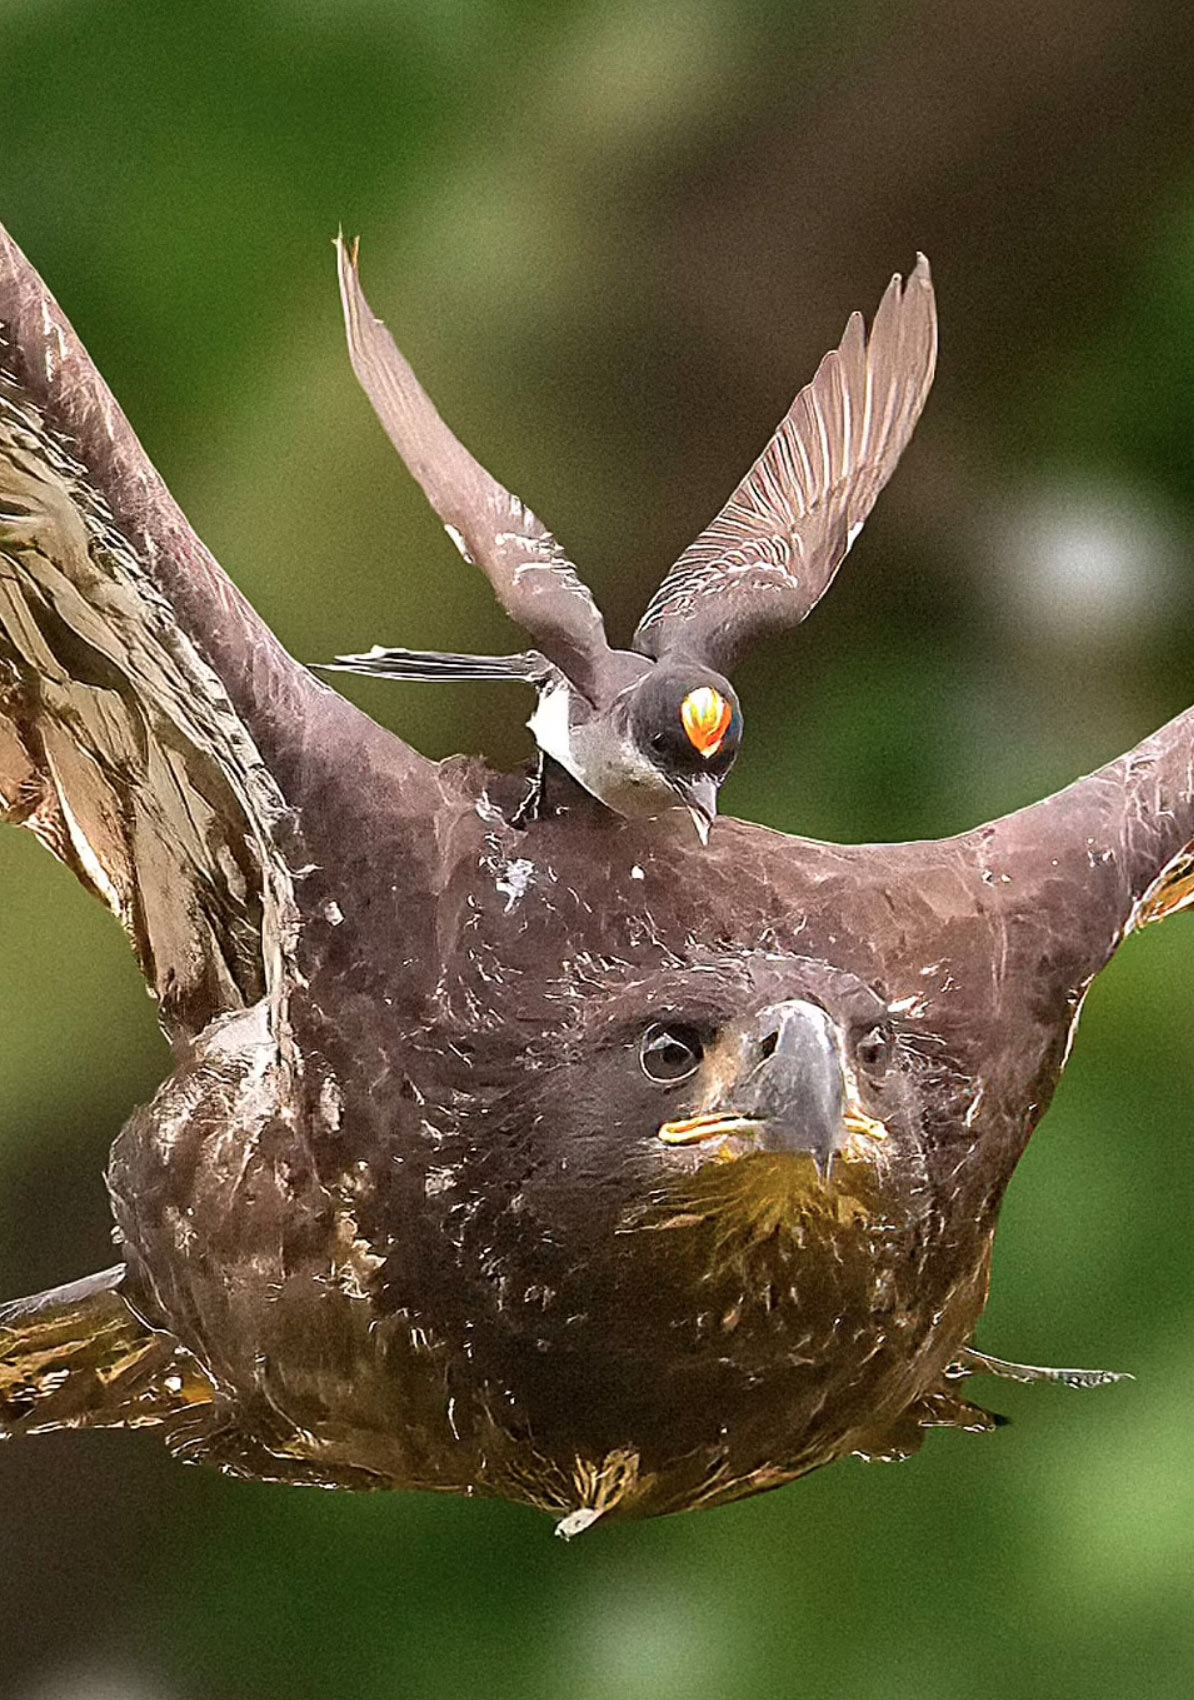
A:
544, 1155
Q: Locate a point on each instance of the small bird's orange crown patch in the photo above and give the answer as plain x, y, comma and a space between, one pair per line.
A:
706, 717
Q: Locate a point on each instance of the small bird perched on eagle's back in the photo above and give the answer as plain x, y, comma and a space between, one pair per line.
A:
656, 726
566, 1161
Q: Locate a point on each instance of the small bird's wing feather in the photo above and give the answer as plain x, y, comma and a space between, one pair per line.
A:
773, 550
135, 682
534, 580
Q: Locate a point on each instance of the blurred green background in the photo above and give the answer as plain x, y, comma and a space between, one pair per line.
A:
615, 237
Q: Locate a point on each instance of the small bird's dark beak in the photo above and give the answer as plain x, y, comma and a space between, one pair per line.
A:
791, 1094
699, 796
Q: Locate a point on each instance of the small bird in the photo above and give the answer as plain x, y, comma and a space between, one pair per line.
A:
658, 725
569, 1162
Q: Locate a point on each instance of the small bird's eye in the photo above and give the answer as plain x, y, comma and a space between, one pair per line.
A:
873, 1049
670, 1054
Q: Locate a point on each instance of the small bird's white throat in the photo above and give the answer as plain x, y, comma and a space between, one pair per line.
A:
550, 728
605, 762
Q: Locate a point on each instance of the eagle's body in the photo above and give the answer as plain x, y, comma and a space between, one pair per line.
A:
380, 1236
413, 1278
416, 1207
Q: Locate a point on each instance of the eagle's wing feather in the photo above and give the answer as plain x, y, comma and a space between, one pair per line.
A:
136, 684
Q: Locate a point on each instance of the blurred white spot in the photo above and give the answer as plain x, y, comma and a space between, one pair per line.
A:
639, 1643
105, 1684
633, 75
1084, 563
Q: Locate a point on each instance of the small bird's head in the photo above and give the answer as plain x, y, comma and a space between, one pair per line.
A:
685, 720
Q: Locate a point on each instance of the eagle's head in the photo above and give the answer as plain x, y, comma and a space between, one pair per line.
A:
693, 1214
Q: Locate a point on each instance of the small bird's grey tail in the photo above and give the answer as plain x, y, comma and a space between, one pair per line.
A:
435, 666
79, 1357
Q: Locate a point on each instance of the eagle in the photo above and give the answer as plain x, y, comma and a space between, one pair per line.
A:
544, 1155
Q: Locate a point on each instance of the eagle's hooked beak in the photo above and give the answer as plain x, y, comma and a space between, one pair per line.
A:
790, 1093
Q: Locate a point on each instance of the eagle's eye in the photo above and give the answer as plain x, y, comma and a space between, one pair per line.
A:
670, 1054
872, 1050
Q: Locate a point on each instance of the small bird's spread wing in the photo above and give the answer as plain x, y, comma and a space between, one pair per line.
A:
122, 646
534, 580
772, 552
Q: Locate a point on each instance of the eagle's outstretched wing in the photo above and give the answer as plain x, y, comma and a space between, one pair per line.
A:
136, 684
773, 550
